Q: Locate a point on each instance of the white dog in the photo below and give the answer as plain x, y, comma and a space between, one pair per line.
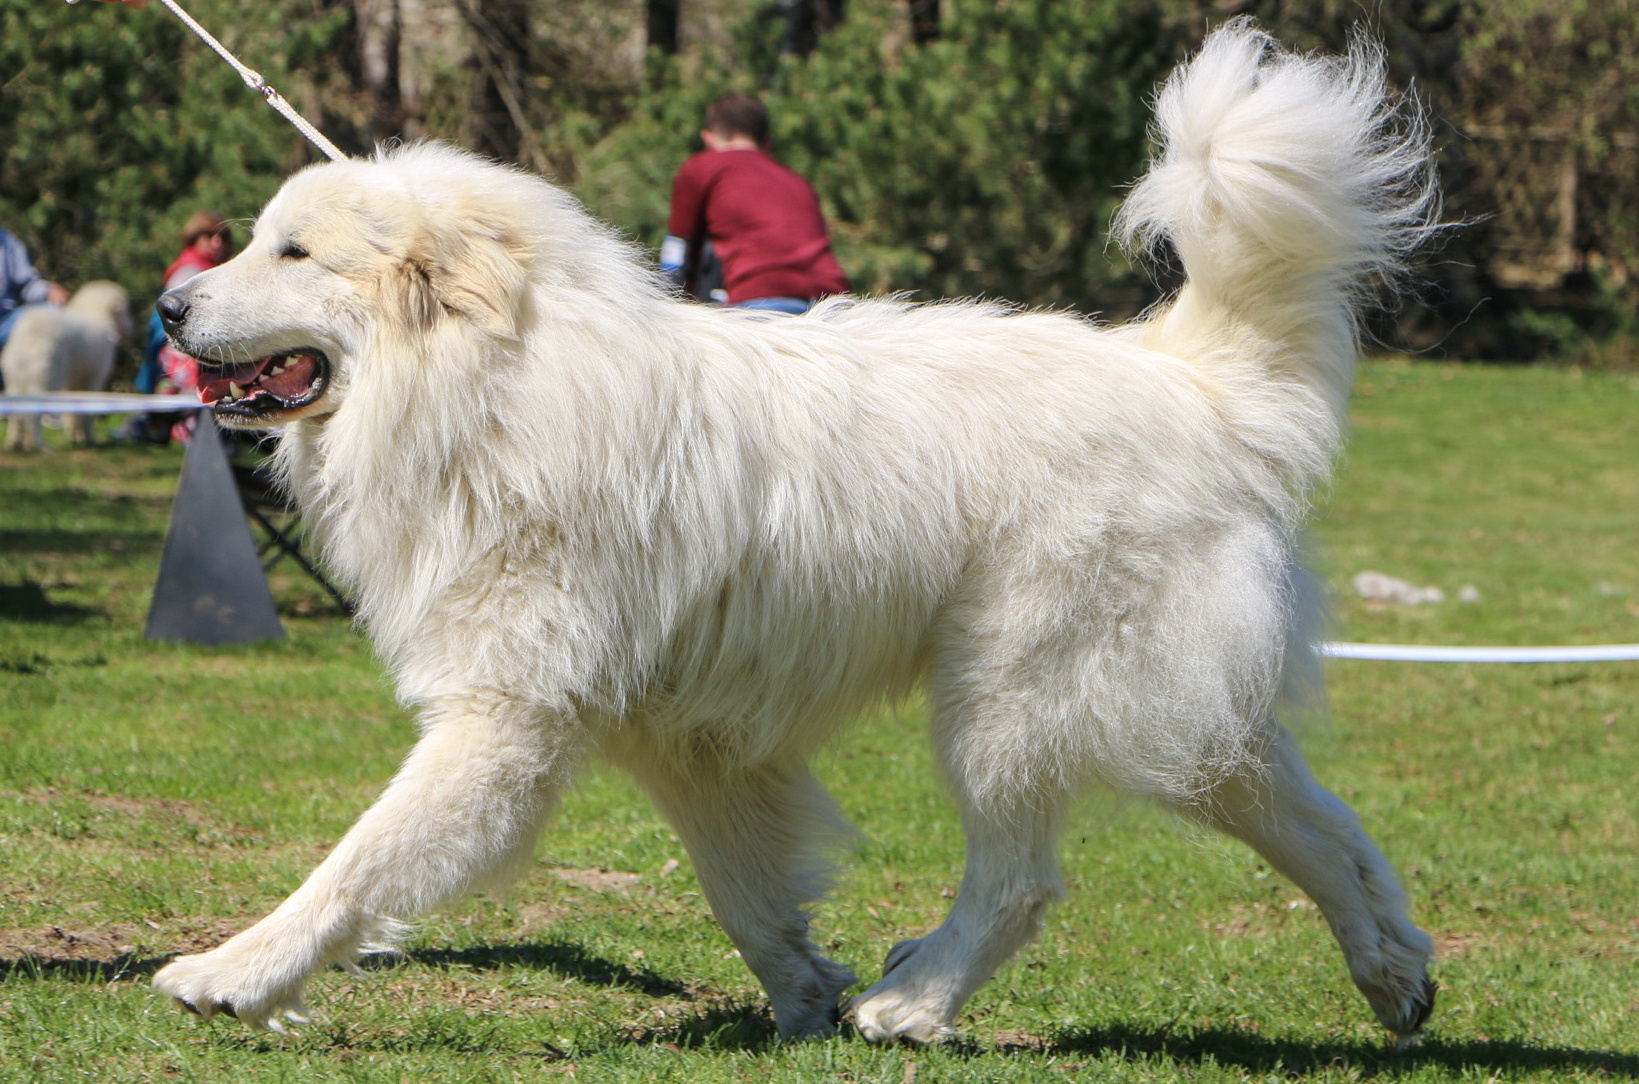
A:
66, 349
581, 518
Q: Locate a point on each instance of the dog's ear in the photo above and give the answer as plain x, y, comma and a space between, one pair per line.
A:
470, 270
407, 286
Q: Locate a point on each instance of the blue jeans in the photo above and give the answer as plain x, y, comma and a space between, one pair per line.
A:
795, 306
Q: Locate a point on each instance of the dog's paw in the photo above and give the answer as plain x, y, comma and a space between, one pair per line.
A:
815, 1022
1391, 969
884, 1016
895, 1010
214, 982
809, 1006
1406, 1014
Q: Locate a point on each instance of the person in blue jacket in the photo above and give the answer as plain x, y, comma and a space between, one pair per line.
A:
21, 285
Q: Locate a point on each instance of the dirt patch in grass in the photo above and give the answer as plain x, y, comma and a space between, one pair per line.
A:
1013, 1041
1259, 919
163, 823
1451, 944
600, 879
50, 944
118, 950
123, 805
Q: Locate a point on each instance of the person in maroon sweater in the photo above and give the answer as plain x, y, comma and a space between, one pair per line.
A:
762, 220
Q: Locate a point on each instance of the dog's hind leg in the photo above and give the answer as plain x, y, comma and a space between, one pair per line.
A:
1309, 835
1012, 816
464, 810
757, 838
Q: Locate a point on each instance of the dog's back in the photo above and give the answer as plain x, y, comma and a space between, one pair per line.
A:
1154, 475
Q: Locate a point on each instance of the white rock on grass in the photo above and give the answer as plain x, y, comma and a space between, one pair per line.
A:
1381, 587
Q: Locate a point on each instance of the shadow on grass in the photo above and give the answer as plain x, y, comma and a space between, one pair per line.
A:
27, 601
720, 1022
69, 519
722, 1025
560, 957
123, 967
1296, 1058
102, 541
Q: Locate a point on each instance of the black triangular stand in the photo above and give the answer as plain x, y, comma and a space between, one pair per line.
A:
211, 589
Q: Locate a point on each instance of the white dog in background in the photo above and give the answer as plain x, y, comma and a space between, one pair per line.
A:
582, 518
66, 349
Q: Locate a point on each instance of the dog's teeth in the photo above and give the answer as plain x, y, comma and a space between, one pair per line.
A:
235, 390
276, 370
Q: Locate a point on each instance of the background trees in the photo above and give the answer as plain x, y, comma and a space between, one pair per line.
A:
969, 146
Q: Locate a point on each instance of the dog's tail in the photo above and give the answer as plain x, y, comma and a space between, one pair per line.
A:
1289, 186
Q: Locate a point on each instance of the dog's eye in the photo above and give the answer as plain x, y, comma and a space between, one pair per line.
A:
293, 251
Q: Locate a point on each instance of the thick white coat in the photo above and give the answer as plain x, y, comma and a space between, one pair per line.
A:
580, 517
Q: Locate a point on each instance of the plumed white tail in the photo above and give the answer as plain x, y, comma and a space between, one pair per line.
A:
1287, 185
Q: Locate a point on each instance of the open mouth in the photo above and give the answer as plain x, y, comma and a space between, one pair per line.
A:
269, 385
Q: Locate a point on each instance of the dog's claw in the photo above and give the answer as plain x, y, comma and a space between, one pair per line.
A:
1422, 1007
1425, 1004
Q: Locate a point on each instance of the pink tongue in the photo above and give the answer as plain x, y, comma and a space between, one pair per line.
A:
243, 375
300, 372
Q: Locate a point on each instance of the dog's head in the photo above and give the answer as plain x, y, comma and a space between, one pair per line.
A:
410, 247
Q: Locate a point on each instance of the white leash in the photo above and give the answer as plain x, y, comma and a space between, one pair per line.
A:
255, 82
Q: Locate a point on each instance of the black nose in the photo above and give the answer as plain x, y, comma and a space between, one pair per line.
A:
172, 310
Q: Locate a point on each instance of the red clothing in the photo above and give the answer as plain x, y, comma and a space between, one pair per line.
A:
180, 373
192, 261
764, 221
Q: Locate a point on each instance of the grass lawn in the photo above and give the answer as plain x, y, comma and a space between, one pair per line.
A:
155, 798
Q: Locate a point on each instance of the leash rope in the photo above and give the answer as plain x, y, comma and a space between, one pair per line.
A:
256, 82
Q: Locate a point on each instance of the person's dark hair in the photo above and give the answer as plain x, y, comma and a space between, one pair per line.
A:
738, 114
204, 223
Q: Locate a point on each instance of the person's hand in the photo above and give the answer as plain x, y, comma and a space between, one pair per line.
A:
56, 295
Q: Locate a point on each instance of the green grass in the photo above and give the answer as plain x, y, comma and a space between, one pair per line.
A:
154, 798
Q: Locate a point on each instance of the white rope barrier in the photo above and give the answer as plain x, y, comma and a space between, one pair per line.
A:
1417, 653
94, 402
255, 82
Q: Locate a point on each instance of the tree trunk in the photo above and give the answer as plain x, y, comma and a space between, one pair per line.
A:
430, 41
806, 21
495, 123
660, 24
924, 21
377, 22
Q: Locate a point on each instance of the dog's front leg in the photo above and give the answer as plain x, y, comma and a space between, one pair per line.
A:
464, 810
